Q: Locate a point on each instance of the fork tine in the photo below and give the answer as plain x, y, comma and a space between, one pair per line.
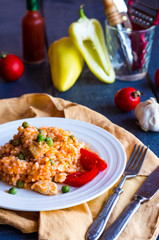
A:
131, 157
130, 165
138, 166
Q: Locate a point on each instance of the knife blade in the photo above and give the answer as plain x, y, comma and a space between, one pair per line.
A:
150, 186
145, 193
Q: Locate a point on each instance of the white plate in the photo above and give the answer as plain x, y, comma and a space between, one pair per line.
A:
107, 146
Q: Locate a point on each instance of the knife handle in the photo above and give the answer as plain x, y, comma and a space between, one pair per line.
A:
99, 224
112, 13
116, 228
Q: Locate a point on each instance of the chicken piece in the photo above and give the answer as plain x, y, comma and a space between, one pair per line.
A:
45, 187
60, 177
38, 149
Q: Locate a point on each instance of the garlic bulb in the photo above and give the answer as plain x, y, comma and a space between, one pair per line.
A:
147, 114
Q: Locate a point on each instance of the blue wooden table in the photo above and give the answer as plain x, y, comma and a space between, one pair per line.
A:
88, 90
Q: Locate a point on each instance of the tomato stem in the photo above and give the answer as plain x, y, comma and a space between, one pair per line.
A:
136, 93
3, 55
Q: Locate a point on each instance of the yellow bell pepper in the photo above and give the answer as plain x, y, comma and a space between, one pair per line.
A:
66, 63
88, 37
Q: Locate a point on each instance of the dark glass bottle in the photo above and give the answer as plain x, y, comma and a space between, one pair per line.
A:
33, 34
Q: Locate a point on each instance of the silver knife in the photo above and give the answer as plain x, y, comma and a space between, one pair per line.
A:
146, 191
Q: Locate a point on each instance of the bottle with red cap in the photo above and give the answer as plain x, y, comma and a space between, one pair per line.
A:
33, 34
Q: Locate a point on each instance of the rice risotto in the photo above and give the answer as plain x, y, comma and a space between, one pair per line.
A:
40, 162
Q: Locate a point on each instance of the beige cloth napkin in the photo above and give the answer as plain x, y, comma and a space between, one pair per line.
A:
72, 223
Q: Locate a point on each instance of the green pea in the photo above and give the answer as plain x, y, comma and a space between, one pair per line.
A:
15, 142
25, 125
40, 137
71, 136
49, 141
13, 190
52, 161
41, 131
21, 156
19, 184
65, 189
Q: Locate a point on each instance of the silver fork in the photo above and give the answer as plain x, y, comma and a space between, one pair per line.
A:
132, 169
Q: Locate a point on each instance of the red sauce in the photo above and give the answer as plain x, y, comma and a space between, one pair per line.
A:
33, 37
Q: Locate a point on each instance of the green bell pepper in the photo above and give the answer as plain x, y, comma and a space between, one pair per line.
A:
88, 37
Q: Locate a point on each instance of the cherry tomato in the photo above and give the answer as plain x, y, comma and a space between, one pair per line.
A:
11, 67
127, 99
90, 160
157, 78
78, 179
